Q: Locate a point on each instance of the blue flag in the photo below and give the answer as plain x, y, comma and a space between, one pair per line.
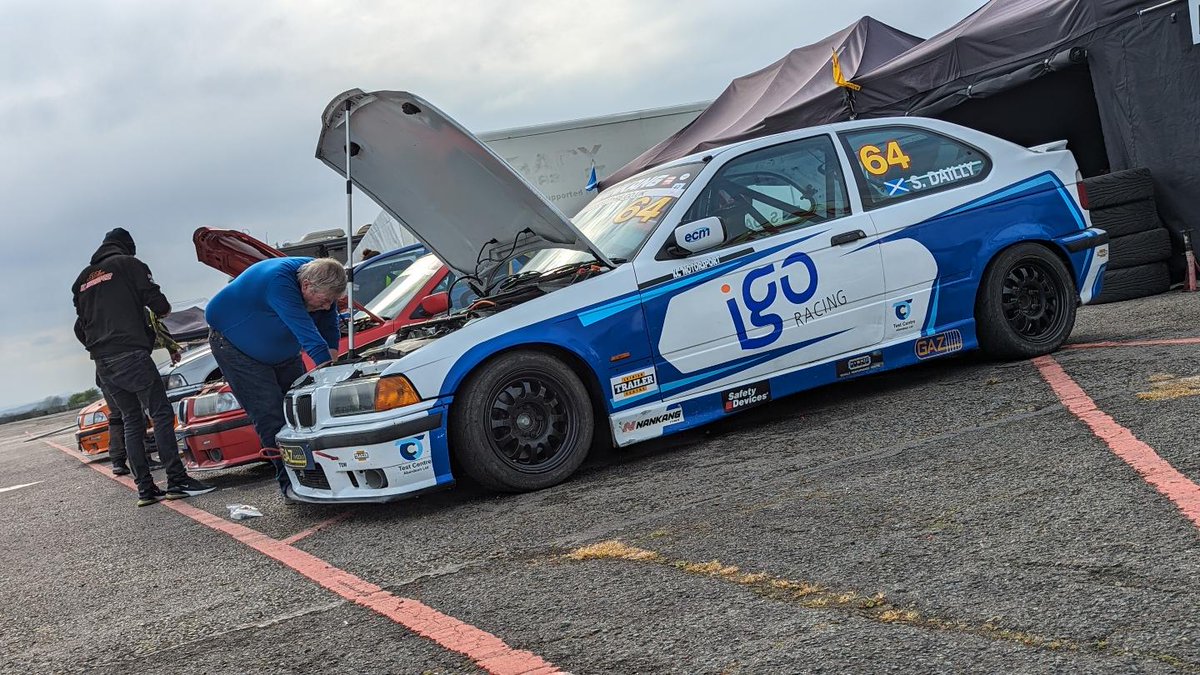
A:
591, 184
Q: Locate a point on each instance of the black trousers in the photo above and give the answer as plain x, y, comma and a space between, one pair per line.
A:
260, 388
132, 381
116, 427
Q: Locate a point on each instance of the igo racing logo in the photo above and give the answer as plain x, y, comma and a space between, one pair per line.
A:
781, 282
411, 449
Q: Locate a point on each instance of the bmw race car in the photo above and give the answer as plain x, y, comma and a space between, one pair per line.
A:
699, 288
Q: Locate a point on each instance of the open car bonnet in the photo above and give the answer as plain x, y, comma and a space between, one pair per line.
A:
439, 181
230, 251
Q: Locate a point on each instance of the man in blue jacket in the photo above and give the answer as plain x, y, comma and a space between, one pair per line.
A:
260, 323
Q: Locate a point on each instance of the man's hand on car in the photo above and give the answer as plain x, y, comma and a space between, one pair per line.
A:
176, 357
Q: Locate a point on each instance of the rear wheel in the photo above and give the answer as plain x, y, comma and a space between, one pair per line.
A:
522, 422
1026, 303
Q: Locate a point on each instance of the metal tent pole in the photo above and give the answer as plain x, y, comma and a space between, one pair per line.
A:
349, 236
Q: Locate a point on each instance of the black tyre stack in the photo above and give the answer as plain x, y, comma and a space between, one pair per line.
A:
1122, 204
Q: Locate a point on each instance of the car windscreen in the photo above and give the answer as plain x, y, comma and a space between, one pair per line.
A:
620, 219
398, 294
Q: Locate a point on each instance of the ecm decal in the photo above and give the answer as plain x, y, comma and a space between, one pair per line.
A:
777, 283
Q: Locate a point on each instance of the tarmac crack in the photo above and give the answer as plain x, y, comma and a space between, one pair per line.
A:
872, 607
273, 621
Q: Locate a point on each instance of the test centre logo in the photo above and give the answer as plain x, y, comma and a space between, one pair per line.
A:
632, 385
747, 396
410, 449
903, 312
937, 345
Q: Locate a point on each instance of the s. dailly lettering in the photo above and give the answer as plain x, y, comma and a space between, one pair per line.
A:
747, 396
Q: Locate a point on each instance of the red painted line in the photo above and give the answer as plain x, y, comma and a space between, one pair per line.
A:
486, 650
317, 528
1133, 343
1136, 453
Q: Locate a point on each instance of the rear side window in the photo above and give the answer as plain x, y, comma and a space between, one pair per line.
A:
897, 163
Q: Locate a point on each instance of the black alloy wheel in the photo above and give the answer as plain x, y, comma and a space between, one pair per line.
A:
522, 421
1026, 302
530, 422
1032, 299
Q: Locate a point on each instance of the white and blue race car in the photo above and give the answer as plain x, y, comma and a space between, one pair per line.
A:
702, 287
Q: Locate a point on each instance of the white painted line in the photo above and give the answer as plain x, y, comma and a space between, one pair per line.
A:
18, 487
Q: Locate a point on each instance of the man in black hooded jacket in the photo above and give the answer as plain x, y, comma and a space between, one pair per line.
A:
111, 296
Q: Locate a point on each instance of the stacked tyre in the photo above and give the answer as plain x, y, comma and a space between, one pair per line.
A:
1122, 204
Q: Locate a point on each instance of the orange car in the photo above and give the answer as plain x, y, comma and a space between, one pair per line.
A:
92, 436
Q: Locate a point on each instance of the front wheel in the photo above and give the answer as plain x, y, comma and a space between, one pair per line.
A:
522, 422
1026, 303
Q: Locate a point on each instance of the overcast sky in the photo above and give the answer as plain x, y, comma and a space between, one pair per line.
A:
162, 117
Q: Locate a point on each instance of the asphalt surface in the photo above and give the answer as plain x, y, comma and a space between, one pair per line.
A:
949, 517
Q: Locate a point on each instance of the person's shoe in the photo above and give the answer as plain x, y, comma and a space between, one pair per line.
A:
120, 470
150, 496
188, 487
287, 497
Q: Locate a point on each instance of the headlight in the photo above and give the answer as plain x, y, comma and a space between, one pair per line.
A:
373, 395
214, 404
99, 418
174, 381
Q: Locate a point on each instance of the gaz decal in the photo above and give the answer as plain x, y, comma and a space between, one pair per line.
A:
632, 385
748, 396
644, 209
877, 163
936, 345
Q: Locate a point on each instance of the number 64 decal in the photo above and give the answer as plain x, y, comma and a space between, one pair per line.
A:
876, 164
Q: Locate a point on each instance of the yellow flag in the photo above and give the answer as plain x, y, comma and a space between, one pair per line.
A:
837, 75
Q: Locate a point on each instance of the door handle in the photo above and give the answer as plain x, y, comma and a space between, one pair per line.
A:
847, 237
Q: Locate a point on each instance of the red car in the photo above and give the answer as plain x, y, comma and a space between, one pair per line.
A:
214, 431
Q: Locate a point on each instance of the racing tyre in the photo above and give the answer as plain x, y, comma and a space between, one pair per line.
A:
1118, 187
1142, 248
1126, 219
523, 422
1134, 282
1026, 303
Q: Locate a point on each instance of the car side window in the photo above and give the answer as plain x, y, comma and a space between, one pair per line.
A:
774, 190
896, 163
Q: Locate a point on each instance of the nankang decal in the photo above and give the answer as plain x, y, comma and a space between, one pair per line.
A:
937, 345
655, 421
632, 385
779, 286
857, 365
748, 396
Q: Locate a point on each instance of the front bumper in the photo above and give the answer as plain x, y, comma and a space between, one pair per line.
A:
220, 444
379, 462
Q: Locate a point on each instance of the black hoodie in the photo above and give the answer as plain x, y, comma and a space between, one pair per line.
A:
111, 295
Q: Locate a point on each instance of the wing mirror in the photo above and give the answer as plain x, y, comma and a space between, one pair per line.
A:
700, 235
433, 304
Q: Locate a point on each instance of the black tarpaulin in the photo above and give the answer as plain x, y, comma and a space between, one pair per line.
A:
801, 80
